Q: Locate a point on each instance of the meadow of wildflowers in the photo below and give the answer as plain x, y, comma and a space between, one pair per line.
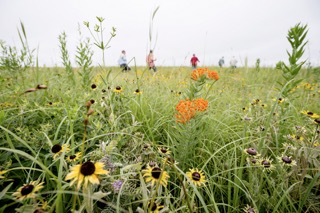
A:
181, 140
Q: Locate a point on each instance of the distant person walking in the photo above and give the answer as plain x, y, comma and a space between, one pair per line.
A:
194, 61
221, 62
123, 61
233, 63
150, 61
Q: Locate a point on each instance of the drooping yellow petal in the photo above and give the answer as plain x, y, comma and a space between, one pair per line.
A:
94, 179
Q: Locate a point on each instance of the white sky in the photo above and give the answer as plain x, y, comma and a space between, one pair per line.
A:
208, 28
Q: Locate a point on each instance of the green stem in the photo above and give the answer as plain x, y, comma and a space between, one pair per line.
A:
88, 198
183, 188
205, 97
84, 139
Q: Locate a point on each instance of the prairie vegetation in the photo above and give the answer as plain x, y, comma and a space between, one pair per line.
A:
95, 139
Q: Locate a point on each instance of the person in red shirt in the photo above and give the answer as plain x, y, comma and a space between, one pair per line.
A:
194, 61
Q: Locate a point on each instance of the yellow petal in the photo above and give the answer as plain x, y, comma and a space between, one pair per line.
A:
94, 179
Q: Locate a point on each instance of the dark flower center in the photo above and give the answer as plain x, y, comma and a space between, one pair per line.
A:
254, 161
118, 88
104, 90
286, 159
72, 157
309, 113
27, 189
317, 121
280, 99
154, 206
298, 137
93, 86
87, 168
137, 90
266, 164
163, 150
92, 101
56, 148
252, 151
155, 173
196, 176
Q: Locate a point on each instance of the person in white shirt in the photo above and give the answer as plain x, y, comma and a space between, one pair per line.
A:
123, 61
233, 63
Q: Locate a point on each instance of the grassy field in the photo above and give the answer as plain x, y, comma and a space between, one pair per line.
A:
173, 141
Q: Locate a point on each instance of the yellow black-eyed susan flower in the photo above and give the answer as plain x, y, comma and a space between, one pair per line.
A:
263, 105
252, 160
286, 160
164, 151
279, 100
86, 172
295, 137
73, 158
196, 176
138, 92
251, 151
266, 164
155, 207
155, 175
310, 114
118, 89
57, 149
255, 102
169, 160
244, 109
2, 172
28, 190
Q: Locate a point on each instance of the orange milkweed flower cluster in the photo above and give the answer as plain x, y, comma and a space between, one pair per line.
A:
199, 72
186, 109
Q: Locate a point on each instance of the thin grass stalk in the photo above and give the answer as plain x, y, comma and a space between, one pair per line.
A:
183, 188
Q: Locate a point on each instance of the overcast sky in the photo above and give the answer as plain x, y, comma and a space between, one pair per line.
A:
209, 28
